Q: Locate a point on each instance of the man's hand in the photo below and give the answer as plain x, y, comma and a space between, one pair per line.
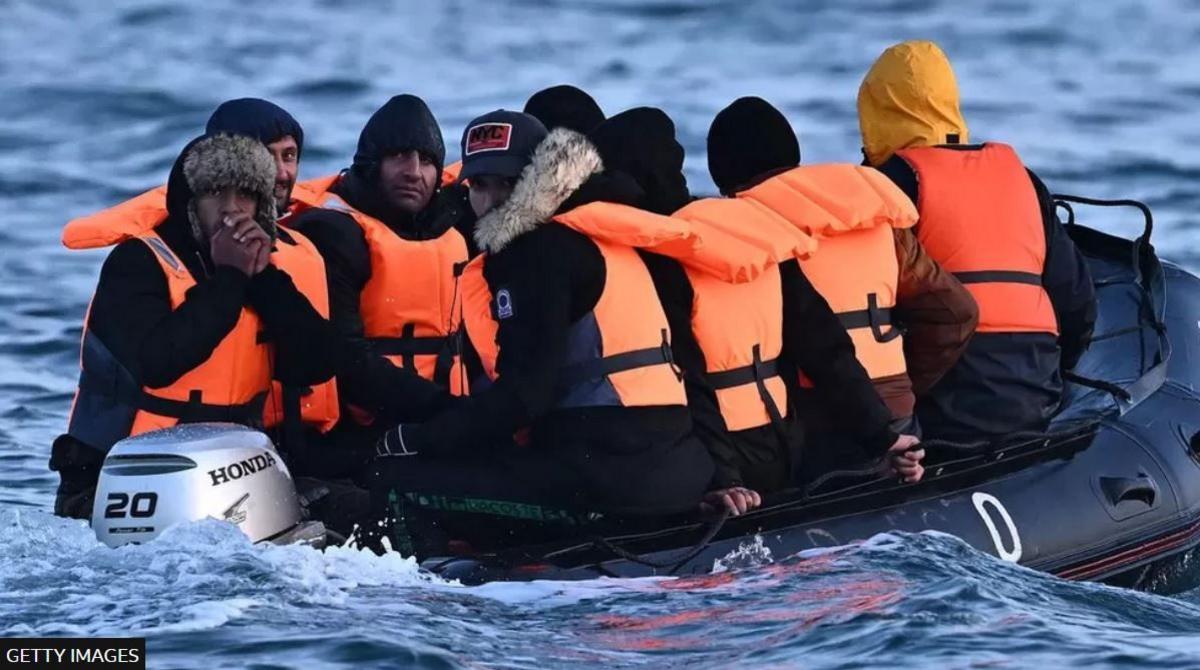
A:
904, 461
241, 244
736, 499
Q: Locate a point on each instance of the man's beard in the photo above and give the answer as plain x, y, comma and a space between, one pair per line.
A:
284, 202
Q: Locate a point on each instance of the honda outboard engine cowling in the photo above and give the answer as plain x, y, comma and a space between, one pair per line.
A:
190, 472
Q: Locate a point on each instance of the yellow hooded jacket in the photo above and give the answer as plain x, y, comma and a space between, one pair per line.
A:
909, 98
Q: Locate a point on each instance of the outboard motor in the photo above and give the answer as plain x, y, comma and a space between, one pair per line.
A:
190, 472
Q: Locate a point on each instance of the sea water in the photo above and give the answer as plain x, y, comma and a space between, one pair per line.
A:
99, 97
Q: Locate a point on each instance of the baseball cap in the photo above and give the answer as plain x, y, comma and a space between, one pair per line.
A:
500, 143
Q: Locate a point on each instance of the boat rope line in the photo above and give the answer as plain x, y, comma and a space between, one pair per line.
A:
673, 564
1064, 201
977, 450
1149, 281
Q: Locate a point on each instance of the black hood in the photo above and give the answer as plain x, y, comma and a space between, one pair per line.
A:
641, 143
565, 106
257, 118
404, 123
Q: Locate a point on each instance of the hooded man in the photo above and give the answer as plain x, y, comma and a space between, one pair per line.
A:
564, 316
175, 330
565, 106
891, 278
736, 342
988, 220
386, 230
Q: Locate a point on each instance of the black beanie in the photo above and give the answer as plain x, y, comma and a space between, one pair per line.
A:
747, 139
565, 106
254, 117
641, 143
404, 123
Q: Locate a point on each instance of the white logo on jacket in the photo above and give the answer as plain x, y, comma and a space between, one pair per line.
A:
504, 305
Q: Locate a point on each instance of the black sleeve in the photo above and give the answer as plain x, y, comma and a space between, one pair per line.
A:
347, 264
552, 277
814, 339
676, 295
901, 173
365, 378
1067, 281
131, 313
305, 343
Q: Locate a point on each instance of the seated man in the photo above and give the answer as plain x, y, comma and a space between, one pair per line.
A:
870, 269
988, 220
387, 231
564, 316
295, 417
735, 341
175, 331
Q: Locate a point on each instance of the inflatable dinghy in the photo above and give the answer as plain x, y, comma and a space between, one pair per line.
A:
1111, 493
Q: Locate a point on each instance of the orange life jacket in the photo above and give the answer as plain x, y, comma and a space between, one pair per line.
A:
450, 173
231, 385
980, 219
619, 354
317, 405
739, 327
852, 211
410, 308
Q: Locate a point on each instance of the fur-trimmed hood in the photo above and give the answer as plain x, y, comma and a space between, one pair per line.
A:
220, 161
561, 164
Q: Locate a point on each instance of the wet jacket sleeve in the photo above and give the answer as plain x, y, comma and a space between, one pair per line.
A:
305, 343
1067, 281
131, 313
365, 379
553, 277
676, 295
814, 339
937, 311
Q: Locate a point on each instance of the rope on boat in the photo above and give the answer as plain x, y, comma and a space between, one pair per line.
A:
714, 527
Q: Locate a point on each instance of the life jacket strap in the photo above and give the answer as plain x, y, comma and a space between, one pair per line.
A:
194, 409
748, 374
609, 365
999, 277
873, 317
408, 346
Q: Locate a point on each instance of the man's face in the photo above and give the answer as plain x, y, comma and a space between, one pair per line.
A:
286, 153
488, 191
407, 180
213, 208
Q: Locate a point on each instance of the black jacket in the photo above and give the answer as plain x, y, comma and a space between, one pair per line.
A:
641, 457
1007, 382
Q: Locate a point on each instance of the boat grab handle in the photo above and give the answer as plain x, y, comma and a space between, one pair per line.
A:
1129, 489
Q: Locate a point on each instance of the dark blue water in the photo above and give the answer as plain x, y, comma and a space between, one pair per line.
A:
98, 97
